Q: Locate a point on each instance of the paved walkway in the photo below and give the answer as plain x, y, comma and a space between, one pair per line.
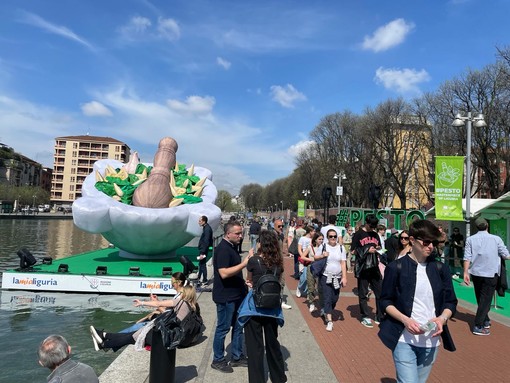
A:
351, 353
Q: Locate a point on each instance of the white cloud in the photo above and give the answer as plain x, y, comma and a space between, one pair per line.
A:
388, 36
31, 129
223, 63
136, 28
286, 96
193, 104
235, 152
95, 108
141, 28
37, 21
168, 29
401, 80
296, 149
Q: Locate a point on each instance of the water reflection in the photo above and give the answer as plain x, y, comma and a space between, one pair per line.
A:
26, 318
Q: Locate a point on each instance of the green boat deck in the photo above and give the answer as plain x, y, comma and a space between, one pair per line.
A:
87, 263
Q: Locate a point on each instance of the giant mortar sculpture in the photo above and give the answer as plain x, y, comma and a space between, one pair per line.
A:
141, 232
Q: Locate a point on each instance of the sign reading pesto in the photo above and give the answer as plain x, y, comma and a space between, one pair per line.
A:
400, 216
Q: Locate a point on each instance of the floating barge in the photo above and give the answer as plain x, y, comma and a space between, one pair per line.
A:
101, 272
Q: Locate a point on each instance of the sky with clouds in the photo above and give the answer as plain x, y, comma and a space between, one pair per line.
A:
239, 84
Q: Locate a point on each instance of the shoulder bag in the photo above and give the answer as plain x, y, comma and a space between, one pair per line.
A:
317, 267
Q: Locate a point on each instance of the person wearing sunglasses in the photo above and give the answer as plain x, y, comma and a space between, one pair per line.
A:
404, 245
334, 275
228, 293
418, 299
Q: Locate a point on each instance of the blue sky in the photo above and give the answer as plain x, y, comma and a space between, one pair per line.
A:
239, 84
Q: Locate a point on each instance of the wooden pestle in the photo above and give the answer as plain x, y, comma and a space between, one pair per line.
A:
155, 191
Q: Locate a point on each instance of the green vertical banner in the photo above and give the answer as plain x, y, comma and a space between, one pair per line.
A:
301, 208
448, 187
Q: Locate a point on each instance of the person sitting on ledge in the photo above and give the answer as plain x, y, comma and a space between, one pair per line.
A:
55, 354
143, 337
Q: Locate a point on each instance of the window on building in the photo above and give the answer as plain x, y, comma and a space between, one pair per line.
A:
73, 179
117, 148
117, 157
75, 145
73, 162
71, 196
73, 170
75, 153
71, 187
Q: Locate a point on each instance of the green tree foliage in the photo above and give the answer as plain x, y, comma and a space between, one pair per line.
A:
24, 194
224, 201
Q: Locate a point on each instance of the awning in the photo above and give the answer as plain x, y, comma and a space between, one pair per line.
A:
487, 208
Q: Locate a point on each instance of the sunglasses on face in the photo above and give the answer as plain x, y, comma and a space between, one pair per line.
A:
331, 236
279, 226
426, 242
404, 238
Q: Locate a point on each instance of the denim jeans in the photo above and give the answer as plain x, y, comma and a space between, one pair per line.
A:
302, 284
253, 241
227, 318
413, 364
202, 271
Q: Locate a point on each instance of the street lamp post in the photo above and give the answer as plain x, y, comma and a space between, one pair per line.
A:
339, 190
305, 193
479, 123
282, 206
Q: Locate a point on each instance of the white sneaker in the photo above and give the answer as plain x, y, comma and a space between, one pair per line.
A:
286, 306
329, 327
311, 308
298, 293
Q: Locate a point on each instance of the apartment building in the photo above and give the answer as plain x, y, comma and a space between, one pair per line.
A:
74, 160
18, 170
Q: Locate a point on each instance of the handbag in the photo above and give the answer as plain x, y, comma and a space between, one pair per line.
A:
317, 267
293, 248
176, 332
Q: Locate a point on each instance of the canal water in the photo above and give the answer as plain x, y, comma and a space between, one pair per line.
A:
26, 318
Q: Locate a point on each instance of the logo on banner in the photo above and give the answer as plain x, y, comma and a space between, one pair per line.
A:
448, 187
34, 281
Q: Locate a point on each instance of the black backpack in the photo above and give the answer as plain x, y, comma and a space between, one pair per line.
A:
267, 292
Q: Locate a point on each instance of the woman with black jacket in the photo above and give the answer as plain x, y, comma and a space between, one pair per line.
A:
418, 299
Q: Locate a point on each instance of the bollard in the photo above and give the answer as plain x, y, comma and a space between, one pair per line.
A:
162, 364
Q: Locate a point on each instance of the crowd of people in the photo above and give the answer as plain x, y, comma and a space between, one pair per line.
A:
405, 271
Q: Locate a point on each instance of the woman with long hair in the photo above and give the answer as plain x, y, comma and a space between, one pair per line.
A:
261, 325
185, 292
316, 250
404, 245
305, 258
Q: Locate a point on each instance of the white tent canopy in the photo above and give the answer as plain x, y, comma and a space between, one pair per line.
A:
487, 208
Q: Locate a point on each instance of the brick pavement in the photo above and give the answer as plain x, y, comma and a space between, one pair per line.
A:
355, 353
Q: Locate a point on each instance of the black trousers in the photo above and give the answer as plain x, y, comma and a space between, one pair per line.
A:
257, 332
373, 279
484, 291
115, 341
